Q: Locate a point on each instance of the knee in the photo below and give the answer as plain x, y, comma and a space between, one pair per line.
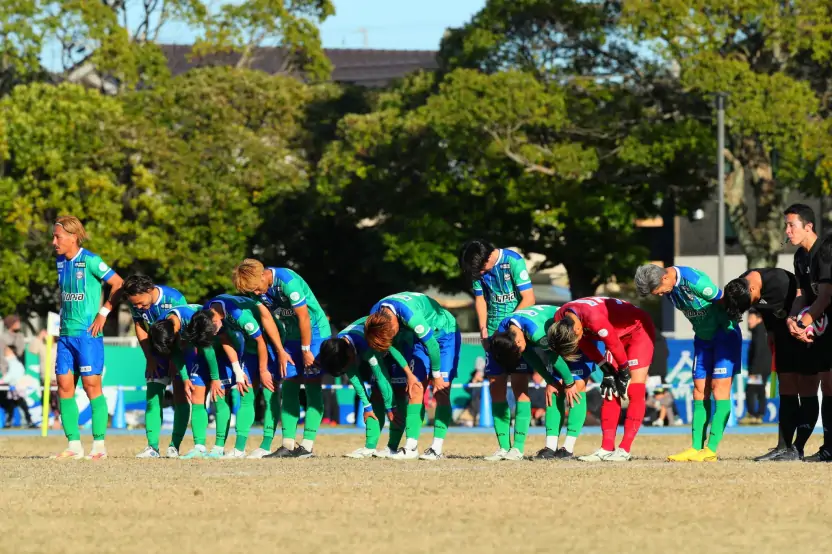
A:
417, 392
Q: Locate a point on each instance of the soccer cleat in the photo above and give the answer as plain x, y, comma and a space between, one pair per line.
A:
618, 455
361, 453
789, 455
497, 456
385, 452
69, 455
405, 454
431, 455
235, 454
771, 455
96, 456
216, 453
281, 452
148, 452
258, 453
563, 454
513, 455
173, 452
598, 456
545, 454
197, 453
302, 453
822, 455
704, 455
685, 456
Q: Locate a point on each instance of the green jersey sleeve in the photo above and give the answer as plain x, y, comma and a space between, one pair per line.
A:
561, 368
477, 288
294, 291
531, 358
355, 382
382, 377
211, 358
98, 268
704, 288
520, 274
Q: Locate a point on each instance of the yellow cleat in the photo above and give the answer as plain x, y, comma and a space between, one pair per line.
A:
686, 456
704, 455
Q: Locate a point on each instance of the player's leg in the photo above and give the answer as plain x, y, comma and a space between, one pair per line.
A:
199, 376
181, 416
498, 385
576, 416
703, 356
290, 397
823, 355
65, 377
272, 401
610, 416
372, 426
154, 395
639, 347
91, 352
522, 415
245, 413
415, 406
314, 399
449, 346
222, 406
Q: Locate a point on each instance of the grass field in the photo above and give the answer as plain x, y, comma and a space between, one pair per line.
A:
460, 504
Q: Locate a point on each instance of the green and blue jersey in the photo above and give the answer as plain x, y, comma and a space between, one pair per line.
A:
501, 286
287, 292
80, 280
169, 298
695, 295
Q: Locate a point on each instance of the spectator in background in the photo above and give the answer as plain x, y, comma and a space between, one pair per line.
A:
470, 416
662, 408
537, 395
759, 369
11, 398
12, 338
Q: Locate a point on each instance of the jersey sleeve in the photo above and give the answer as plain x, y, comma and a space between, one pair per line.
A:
477, 287
358, 385
602, 327
382, 376
534, 361
702, 286
98, 268
561, 367
211, 358
293, 289
528, 326
248, 323
519, 274
824, 268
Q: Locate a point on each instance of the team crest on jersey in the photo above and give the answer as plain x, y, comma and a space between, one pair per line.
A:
249, 327
80, 264
507, 276
79, 274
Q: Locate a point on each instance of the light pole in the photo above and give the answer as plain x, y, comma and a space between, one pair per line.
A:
720, 169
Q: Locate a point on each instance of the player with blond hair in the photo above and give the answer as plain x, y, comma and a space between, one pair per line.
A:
306, 326
81, 275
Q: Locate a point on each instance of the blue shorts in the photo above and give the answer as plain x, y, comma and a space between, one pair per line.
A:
449, 345
718, 358
227, 372
292, 348
581, 369
251, 362
493, 369
83, 356
197, 368
160, 373
419, 364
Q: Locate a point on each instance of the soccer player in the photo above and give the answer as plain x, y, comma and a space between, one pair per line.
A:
439, 340
149, 303
233, 325
522, 336
772, 292
349, 353
813, 269
291, 300
501, 285
717, 348
627, 333
193, 368
81, 344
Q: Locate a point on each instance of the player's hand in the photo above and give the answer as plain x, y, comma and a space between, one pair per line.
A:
796, 331
150, 371
573, 397
391, 416
609, 390
266, 380
369, 415
622, 381
550, 390
412, 381
282, 361
308, 359
189, 390
97, 325
439, 384
486, 343
244, 385
216, 390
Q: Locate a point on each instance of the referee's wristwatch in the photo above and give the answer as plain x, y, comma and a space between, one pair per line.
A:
800, 324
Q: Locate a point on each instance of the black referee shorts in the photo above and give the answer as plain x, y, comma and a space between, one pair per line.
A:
794, 356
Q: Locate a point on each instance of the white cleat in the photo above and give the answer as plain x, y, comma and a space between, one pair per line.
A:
172, 452
216, 453
619, 455
258, 453
236, 454
514, 455
431, 455
69, 455
361, 453
148, 452
405, 454
497, 456
96, 456
385, 452
599, 455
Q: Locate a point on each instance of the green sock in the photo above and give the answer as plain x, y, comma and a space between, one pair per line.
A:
371, 433
223, 413
522, 420
100, 417
181, 415
502, 424
271, 400
576, 418
396, 430
698, 425
153, 413
199, 423
290, 411
381, 413
69, 418
235, 400
314, 410
442, 420
245, 417
413, 421
721, 415
554, 416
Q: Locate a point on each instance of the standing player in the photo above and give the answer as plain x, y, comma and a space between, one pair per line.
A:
522, 336
501, 285
627, 333
149, 303
772, 292
81, 344
439, 341
717, 348
291, 300
813, 270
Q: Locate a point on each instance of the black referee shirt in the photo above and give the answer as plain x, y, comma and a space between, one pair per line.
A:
776, 296
811, 272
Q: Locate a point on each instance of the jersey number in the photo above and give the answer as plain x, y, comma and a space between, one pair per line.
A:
596, 300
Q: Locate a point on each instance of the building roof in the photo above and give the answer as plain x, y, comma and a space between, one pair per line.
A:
370, 68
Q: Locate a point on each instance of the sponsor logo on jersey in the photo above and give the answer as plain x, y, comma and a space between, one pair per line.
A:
505, 266
504, 297
524, 274
707, 291
80, 264
73, 296
686, 291
763, 301
102, 267
419, 329
60, 265
79, 274
284, 312
295, 296
632, 363
603, 333
720, 371
695, 314
167, 306
507, 276
249, 327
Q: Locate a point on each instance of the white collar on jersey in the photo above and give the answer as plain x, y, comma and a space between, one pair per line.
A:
390, 307
77, 254
160, 296
678, 276
352, 345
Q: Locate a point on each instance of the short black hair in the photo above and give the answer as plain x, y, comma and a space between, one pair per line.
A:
473, 256
737, 295
162, 337
753, 311
137, 284
805, 213
334, 356
505, 351
200, 331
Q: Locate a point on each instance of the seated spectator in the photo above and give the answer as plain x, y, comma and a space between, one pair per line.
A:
662, 408
12, 398
470, 415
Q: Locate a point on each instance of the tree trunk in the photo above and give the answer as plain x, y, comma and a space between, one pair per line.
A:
582, 279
